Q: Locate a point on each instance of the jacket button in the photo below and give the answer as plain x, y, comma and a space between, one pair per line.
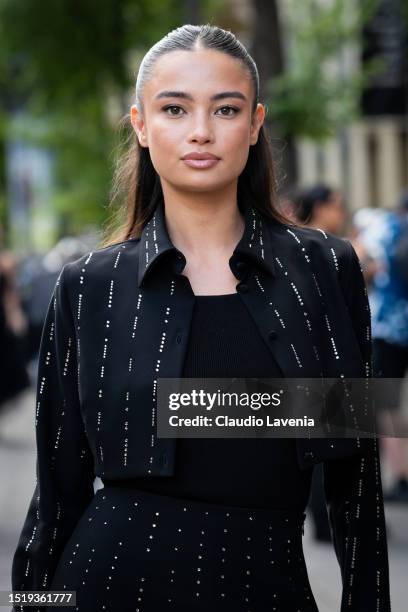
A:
272, 334
242, 288
308, 456
241, 266
179, 338
178, 263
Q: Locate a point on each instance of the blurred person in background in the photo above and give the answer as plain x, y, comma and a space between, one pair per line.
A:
367, 249
13, 330
387, 241
321, 207
38, 274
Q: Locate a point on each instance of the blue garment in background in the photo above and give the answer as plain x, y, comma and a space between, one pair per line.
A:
389, 292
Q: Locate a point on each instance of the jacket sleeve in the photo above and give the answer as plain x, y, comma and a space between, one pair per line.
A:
64, 464
353, 486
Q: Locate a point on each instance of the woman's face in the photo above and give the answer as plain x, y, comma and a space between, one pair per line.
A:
330, 215
173, 126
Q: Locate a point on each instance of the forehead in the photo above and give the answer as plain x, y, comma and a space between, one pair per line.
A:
199, 72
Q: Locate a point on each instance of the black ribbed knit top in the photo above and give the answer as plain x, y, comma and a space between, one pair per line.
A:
224, 342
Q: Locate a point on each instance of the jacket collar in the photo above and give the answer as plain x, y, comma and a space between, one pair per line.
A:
254, 245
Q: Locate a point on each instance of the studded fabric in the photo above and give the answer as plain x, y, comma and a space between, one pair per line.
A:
134, 550
254, 472
119, 319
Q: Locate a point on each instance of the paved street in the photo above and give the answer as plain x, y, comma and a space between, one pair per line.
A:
17, 477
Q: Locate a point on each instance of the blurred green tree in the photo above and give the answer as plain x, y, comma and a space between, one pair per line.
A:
318, 91
74, 63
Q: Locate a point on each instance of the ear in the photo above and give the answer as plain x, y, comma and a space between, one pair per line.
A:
138, 125
257, 121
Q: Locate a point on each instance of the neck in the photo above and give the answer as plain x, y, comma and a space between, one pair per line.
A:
203, 224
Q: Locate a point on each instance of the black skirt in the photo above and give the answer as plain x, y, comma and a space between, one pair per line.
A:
137, 551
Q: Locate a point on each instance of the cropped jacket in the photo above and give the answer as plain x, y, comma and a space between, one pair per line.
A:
119, 319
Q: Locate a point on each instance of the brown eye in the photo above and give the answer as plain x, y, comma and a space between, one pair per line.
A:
166, 108
231, 108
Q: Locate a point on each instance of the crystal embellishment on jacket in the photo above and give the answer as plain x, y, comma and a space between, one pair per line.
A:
118, 320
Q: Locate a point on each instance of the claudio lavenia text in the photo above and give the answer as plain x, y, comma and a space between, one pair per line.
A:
223, 420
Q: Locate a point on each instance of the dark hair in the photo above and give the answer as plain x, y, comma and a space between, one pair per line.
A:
136, 181
306, 199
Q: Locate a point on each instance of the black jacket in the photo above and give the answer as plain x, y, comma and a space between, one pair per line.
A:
119, 319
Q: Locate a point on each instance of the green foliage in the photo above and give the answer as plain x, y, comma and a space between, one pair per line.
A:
64, 51
65, 62
317, 93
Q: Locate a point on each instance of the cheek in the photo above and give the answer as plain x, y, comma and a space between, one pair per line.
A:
233, 146
163, 137
234, 137
165, 146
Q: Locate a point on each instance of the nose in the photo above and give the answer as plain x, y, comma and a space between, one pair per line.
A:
201, 130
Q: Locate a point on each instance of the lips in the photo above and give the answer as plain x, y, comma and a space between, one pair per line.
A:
196, 155
201, 163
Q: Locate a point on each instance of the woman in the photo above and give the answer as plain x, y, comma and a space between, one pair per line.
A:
203, 279
321, 207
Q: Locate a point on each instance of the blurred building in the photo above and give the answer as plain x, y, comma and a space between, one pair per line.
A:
369, 159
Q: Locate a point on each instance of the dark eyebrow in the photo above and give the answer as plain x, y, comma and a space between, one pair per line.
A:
187, 96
